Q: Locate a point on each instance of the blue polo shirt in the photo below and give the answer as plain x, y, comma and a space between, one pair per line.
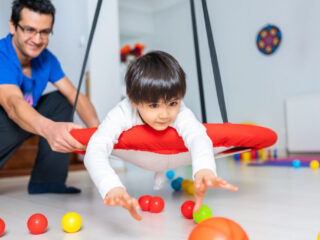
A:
45, 68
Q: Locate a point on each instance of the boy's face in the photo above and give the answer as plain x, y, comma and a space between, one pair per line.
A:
158, 115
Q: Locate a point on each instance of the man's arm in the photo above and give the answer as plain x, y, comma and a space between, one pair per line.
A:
84, 107
19, 111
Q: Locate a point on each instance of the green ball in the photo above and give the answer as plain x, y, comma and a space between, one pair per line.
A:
203, 213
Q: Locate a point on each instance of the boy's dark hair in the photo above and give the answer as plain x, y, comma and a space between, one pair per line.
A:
40, 6
154, 76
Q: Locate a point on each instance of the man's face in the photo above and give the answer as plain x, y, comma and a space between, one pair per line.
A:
30, 37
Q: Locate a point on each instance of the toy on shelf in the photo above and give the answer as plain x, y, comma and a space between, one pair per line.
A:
296, 163
314, 164
126, 51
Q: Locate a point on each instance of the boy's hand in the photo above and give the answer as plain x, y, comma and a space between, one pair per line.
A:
205, 179
118, 196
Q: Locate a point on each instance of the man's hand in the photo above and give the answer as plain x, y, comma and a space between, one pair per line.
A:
205, 179
59, 137
119, 197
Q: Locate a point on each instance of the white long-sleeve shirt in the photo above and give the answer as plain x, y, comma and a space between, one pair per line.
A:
123, 117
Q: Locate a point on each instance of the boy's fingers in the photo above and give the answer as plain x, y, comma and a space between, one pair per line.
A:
230, 187
199, 186
135, 214
133, 209
197, 204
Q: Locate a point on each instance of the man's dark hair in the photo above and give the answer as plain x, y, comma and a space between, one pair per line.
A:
155, 76
40, 6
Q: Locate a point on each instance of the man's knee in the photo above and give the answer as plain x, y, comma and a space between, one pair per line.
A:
57, 107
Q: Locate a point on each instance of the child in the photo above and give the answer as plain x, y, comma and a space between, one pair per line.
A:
155, 86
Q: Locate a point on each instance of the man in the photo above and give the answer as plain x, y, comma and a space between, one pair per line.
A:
26, 66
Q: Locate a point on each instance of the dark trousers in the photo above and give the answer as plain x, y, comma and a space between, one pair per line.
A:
50, 167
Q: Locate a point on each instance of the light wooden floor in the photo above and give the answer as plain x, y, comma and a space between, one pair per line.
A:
273, 203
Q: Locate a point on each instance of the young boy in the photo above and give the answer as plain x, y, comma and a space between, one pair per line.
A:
155, 86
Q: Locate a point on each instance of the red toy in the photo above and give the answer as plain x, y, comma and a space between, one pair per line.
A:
37, 223
144, 202
218, 228
2, 227
156, 204
145, 138
187, 209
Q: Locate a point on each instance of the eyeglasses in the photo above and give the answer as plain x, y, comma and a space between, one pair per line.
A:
31, 32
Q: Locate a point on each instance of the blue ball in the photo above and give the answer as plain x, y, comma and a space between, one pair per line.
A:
170, 174
180, 179
296, 163
176, 184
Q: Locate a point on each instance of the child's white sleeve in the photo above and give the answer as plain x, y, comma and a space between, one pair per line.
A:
101, 145
195, 138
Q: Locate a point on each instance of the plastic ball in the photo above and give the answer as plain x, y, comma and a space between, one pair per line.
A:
170, 174
37, 223
314, 164
218, 228
190, 189
176, 184
180, 179
296, 163
187, 209
71, 222
144, 202
185, 183
2, 227
156, 204
203, 213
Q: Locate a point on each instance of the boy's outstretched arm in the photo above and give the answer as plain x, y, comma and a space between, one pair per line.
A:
204, 179
118, 196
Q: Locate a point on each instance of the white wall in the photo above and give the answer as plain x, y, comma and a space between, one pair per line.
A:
255, 85
5, 14
105, 58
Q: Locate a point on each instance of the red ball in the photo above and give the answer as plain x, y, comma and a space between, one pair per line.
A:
144, 202
156, 204
218, 228
187, 209
37, 223
2, 227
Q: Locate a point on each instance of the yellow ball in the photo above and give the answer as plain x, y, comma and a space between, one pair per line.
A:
190, 189
185, 183
314, 164
71, 222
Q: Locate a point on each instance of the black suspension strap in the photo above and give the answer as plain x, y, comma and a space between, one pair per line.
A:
214, 62
198, 62
93, 27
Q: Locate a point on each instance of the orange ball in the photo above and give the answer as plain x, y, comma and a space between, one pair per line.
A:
218, 228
